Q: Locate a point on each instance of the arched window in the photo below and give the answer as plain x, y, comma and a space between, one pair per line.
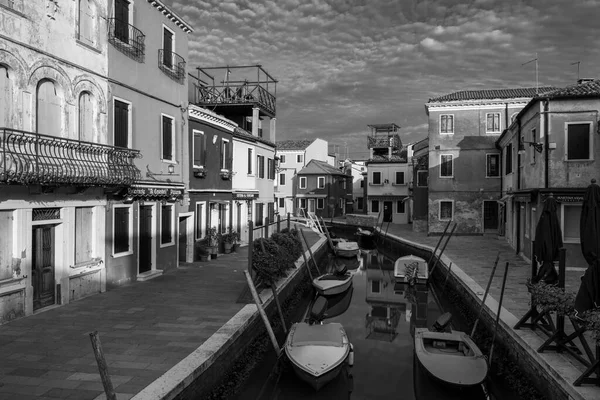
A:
87, 21
512, 117
5, 97
48, 116
86, 117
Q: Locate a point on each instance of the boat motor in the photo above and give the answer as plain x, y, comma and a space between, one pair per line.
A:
318, 310
442, 322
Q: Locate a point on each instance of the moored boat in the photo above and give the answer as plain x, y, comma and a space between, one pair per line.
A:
411, 269
365, 238
332, 284
347, 249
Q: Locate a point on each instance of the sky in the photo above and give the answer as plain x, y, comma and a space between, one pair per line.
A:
344, 64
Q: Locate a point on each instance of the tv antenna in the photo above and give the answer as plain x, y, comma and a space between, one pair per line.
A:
577, 62
536, 72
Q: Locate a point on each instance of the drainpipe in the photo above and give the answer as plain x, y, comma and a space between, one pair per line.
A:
546, 144
518, 227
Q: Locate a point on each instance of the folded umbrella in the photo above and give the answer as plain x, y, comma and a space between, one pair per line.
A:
548, 241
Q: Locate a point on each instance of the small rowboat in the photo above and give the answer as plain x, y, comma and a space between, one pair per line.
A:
332, 284
347, 249
366, 239
411, 269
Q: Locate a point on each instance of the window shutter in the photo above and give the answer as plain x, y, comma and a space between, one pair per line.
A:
198, 149
249, 161
168, 48
121, 129
167, 150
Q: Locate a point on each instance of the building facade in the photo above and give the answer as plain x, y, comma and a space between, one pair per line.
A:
358, 184
464, 163
148, 227
418, 189
57, 162
322, 189
550, 149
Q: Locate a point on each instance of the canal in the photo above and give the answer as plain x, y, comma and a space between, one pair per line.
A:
380, 323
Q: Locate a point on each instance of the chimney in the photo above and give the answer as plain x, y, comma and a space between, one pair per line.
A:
584, 80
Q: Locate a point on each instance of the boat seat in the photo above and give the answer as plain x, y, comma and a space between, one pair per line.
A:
442, 322
318, 310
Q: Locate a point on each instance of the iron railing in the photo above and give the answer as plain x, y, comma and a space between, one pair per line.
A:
30, 158
250, 93
392, 141
172, 64
127, 39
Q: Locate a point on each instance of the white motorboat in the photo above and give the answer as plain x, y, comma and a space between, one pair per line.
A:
411, 269
331, 284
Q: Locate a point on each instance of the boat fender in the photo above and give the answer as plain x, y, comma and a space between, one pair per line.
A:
351, 355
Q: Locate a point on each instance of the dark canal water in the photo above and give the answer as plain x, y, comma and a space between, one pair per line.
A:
380, 324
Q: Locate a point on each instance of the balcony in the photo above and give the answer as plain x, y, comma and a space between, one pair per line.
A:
30, 158
127, 39
375, 142
172, 64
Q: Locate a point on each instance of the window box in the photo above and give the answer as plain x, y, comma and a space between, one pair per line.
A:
225, 174
200, 172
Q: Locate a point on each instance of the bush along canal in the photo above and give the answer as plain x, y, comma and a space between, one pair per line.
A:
380, 323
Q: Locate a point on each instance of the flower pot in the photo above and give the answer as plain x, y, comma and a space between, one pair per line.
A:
227, 247
204, 257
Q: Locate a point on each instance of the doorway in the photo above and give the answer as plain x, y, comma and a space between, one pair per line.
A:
145, 250
490, 216
42, 268
387, 211
182, 239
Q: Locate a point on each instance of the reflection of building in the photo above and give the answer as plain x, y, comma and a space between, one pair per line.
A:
386, 304
418, 306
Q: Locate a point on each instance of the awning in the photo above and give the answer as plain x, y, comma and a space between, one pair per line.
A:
505, 198
158, 191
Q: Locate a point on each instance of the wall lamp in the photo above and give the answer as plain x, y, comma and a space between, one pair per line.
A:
539, 147
150, 174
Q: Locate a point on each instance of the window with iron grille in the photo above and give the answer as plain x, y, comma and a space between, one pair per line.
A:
168, 139
578, 141
446, 164
122, 222
166, 224
492, 169
199, 148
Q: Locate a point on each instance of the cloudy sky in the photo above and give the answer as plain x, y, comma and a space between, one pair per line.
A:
344, 64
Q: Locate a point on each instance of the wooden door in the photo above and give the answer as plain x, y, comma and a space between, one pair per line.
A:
182, 239
490, 216
387, 211
122, 20
42, 268
145, 250
167, 48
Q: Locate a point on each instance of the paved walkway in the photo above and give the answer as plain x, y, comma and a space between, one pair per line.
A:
145, 329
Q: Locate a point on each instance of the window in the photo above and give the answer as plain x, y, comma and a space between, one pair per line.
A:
282, 159
377, 178
447, 123
578, 140
49, 110
84, 237
446, 210
260, 161
122, 20
200, 226
422, 177
271, 211
199, 148
86, 25
399, 178
281, 202
320, 204
446, 164
166, 224
400, 209
492, 123
527, 221
6, 244
375, 286
512, 117
302, 182
570, 222
86, 117
122, 223
259, 215
375, 206
359, 203
300, 158
281, 179
362, 183
122, 123
225, 158
320, 182
508, 158
342, 205
531, 148
302, 203
250, 160
168, 138
270, 168
168, 46
492, 165
5, 96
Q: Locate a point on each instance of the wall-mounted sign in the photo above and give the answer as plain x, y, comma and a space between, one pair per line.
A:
523, 197
569, 198
244, 196
154, 192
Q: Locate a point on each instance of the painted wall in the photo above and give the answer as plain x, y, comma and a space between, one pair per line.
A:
332, 193
388, 172
317, 150
241, 179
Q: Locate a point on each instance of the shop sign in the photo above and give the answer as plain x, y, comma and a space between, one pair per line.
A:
154, 192
569, 198
522, 197
244, 196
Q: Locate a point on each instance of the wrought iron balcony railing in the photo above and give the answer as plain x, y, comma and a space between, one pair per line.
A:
250, 93
127, 39
30, 158
393, 141
172, 64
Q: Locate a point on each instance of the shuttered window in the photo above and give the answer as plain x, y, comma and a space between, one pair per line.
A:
259, 214
168, 139
261, 166
5, 97
83, 234
199, 220
166, 219
121, 121
271, 210
48, 109
86, 21
270, 168
167, 48
86, 117
250, 159
122, 20
446, 164
6, 245
199, 149
121, 230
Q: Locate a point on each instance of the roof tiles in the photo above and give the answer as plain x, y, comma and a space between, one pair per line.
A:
293, 144
492, 94
587, 89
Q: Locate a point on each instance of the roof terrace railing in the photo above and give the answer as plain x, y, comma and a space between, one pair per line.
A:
386, 140
31, 158
249, 93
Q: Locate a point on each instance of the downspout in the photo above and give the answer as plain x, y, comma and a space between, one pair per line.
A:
518, 227
546, 144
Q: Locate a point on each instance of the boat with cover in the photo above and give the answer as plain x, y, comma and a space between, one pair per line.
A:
317, 351
411, 269
347, 249
450, 357
333, 283
365, 238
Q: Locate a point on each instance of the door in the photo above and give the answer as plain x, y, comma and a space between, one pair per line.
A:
490, 216
42, 268
387, 211
122, 20
145, 251
311, 205
182, 239
167, 48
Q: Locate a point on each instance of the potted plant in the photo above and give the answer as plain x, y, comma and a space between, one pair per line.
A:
229, 240
212, 237
225, 174
199, 172
202, 251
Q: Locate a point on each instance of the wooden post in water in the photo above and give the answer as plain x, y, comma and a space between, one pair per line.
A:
250, 244
262, 314
279, 309
487, 290
278, 223
304, 256
310, 252
498, 314
266, 228
102, 367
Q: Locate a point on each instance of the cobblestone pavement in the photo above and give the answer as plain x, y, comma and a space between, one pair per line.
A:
145, 329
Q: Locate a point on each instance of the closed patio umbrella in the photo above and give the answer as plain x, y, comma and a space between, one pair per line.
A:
588, 295
548, 241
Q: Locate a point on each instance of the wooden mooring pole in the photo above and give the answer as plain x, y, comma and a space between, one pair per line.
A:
305, 259
262, 314
498, 314
310, 252
487, 290
109, 390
